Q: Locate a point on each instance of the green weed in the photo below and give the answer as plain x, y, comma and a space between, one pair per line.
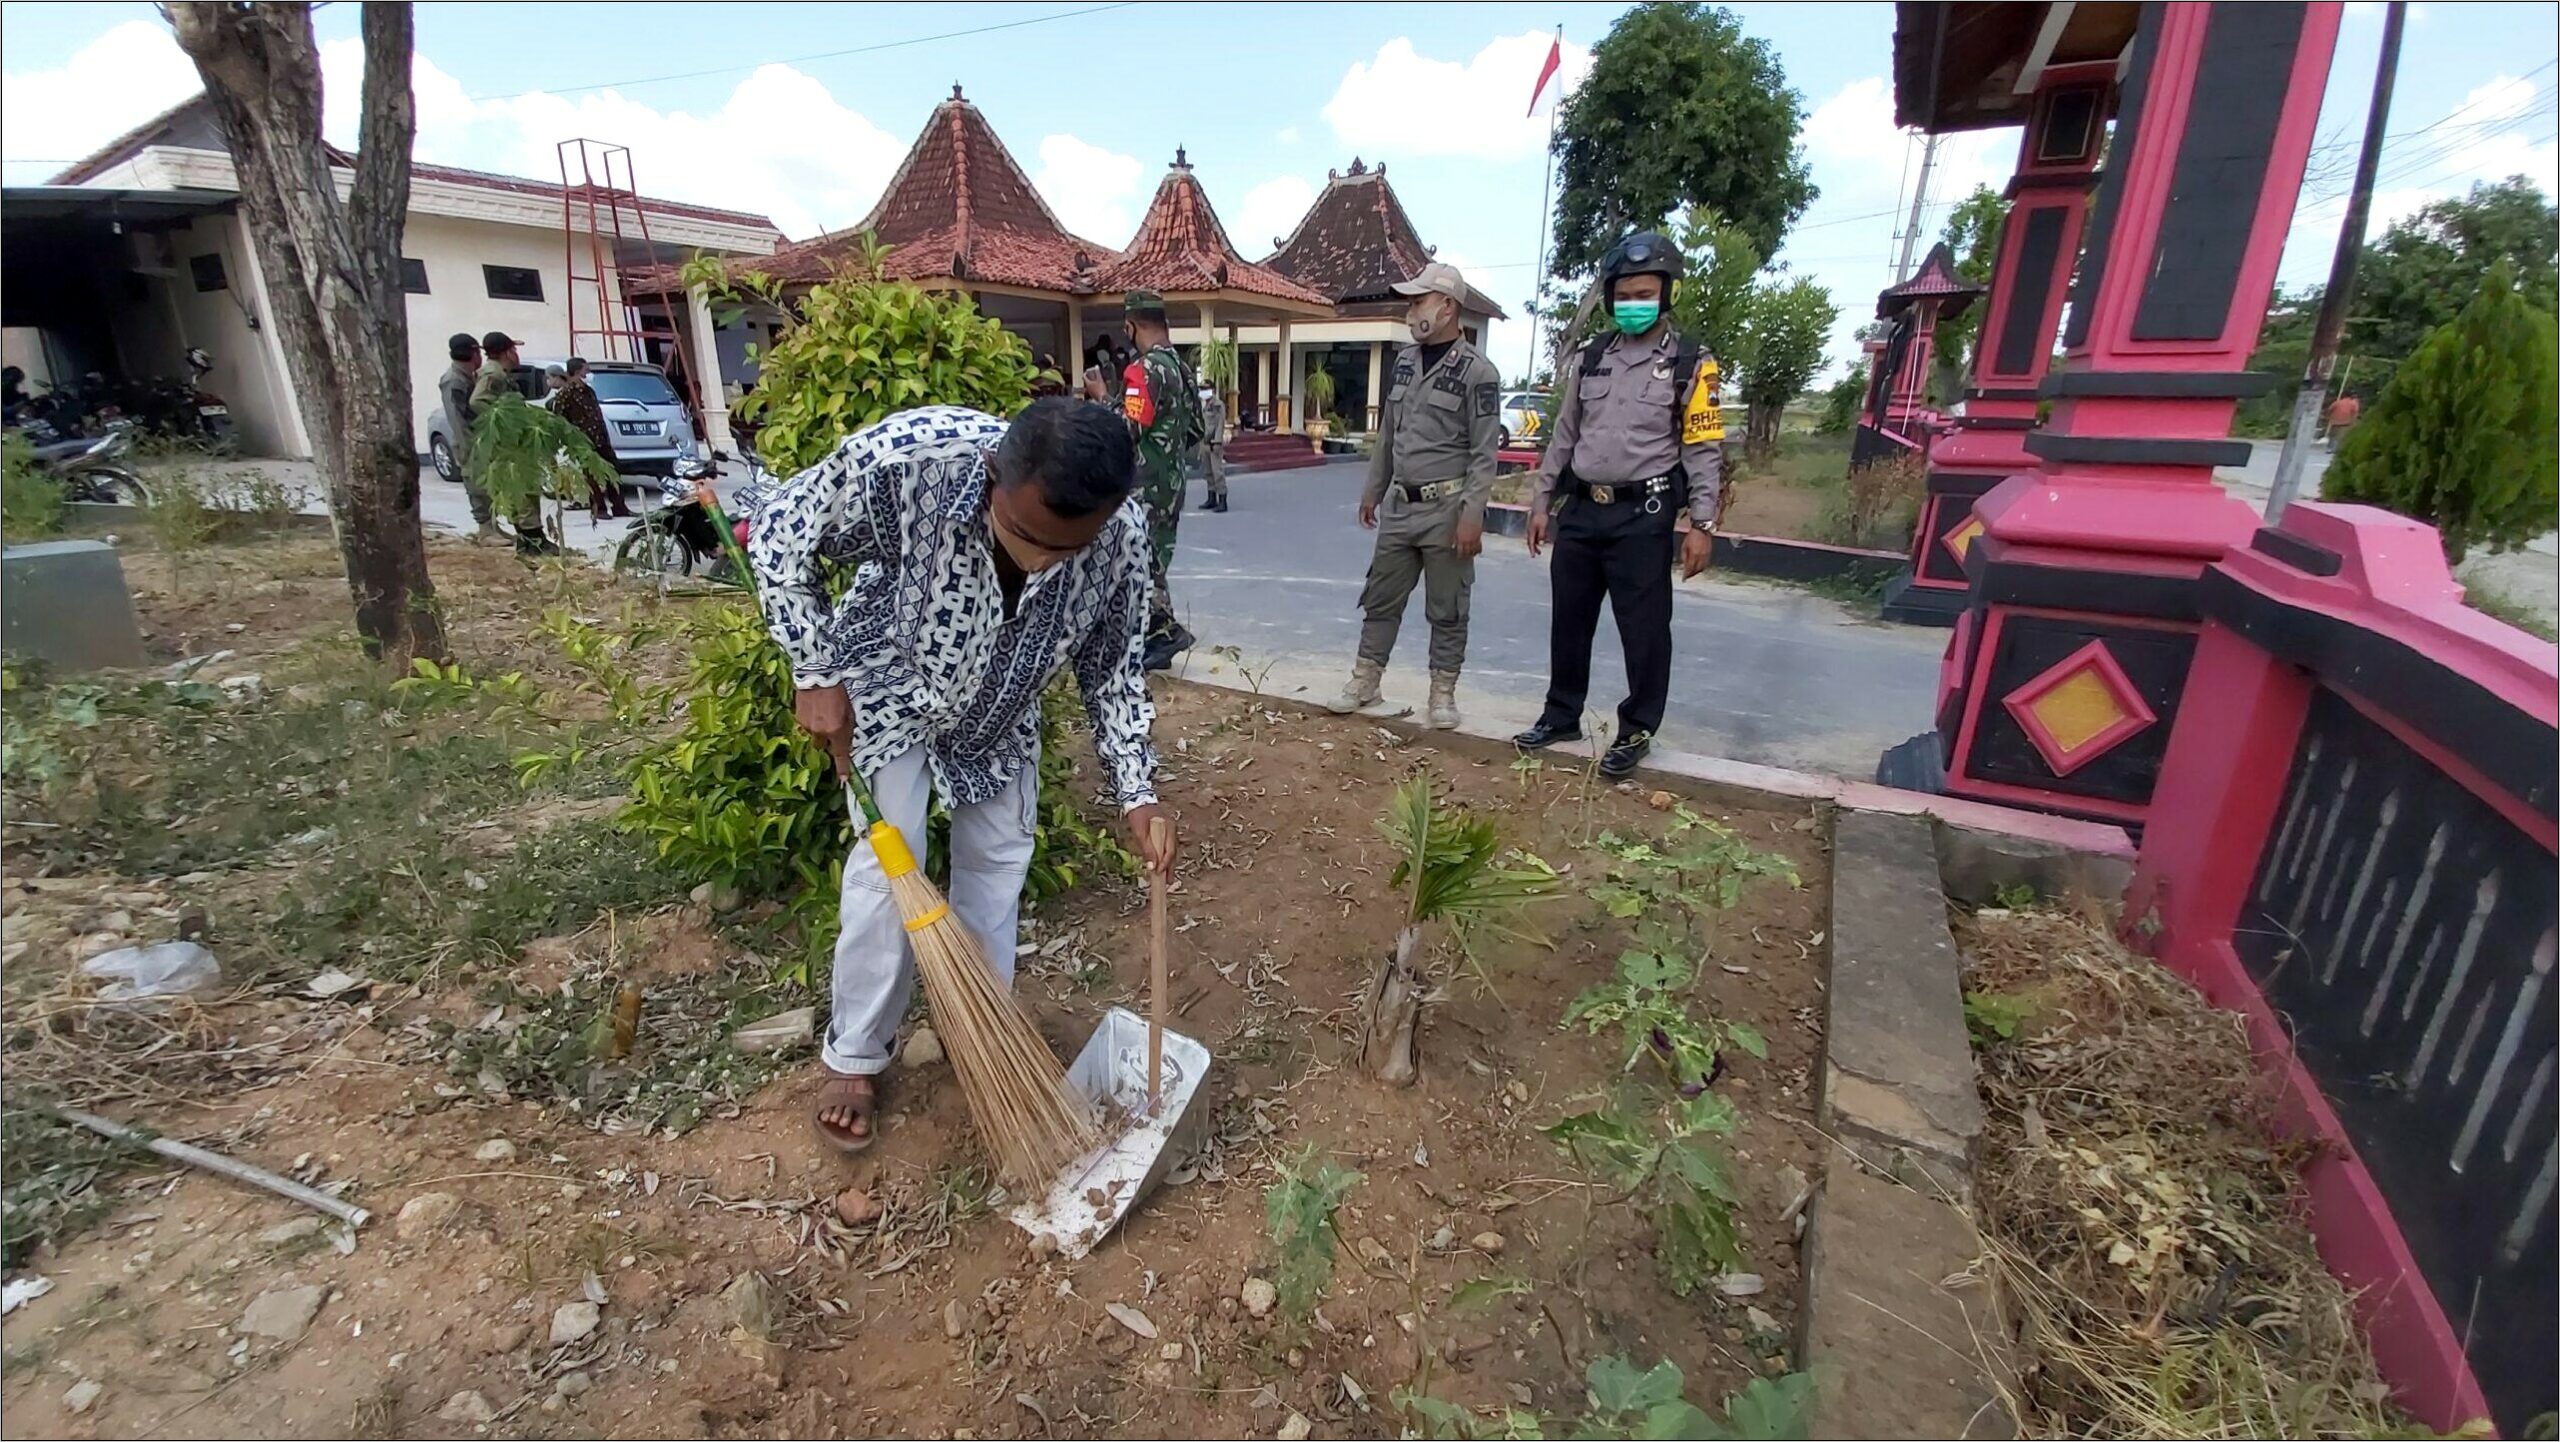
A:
57, 1180
1299, 1208
1682, 1178
1622, 1402
1990, 1017
1644, 1002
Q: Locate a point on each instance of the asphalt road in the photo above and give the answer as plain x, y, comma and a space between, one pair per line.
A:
1761, 673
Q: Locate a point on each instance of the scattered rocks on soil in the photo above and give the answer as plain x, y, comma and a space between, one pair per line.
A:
466, 1409
1489, 1243
1296, 1429
1740, 1284
1131, 1318
283, 1233
718, 895
495, 1149
282, 1314
1259, 1297
574, 1322
82, 1396
856, 1207
573, 1384
922, 1049
426, 1213
954, 1326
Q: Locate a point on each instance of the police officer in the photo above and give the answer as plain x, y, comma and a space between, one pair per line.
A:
1639, 435
1432, 472
1162, 400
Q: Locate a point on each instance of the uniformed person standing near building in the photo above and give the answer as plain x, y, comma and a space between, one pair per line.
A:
1640, 434
1430, 474
1161, 399
1213, 446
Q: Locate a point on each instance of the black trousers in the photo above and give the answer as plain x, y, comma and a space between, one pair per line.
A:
1624, 553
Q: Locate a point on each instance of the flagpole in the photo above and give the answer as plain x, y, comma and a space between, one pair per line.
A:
1546, 207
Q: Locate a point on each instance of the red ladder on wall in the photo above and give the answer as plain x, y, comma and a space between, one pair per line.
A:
597, 189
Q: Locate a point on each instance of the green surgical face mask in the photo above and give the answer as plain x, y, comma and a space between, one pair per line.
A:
1635, 317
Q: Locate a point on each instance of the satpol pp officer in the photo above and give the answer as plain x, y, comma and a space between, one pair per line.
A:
1429, 478
1638, 437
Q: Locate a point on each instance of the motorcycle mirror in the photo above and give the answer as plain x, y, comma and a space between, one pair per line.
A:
198, 360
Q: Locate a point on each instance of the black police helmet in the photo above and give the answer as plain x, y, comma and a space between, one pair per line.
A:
1646, 252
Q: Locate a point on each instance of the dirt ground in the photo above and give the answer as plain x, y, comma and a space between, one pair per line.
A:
732, 1301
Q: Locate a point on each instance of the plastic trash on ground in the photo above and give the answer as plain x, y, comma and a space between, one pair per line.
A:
154, 973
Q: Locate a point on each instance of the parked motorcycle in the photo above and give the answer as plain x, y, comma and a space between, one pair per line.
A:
92, 468
677, 536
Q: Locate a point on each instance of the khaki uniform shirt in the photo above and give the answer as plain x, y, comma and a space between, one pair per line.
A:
455, 387
1444, 424
1619, 424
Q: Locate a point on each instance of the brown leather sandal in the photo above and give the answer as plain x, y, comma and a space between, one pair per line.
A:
859, 1095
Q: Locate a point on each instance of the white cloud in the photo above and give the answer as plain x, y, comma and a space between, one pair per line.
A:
1856, 153
779, 146
49, 118
2495, 132
1288, 135
1093, 190
1401, 102
1268, 213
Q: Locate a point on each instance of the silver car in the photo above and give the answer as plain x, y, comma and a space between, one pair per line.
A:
650, 426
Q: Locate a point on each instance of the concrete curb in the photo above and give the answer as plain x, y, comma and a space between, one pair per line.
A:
1888, 1322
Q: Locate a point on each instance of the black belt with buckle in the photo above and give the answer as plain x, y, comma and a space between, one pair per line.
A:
1430, 490
1651, 488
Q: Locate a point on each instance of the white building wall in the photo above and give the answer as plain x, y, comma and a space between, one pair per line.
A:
458, 299
234, 327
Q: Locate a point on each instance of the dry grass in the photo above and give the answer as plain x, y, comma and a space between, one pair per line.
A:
2144, 1234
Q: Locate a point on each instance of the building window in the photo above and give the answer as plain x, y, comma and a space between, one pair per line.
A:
413, 275
208, 271
513, 282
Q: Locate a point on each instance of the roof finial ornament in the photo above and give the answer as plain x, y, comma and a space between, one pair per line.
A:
955, 91
1181, 158
1357, 168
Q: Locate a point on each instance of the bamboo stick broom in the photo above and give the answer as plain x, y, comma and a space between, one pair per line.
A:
1033, 1122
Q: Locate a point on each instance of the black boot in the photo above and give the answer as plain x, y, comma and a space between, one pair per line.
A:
1545, 734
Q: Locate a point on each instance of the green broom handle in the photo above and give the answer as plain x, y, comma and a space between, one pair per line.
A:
856, 794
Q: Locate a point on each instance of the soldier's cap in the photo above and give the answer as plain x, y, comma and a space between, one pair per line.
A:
1437, 278
1142, 302
495, 341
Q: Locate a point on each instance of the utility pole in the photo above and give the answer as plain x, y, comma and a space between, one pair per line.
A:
2342, 277
1919, 198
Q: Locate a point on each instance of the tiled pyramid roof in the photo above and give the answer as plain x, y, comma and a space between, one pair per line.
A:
1181, 248
1356, 242
1936, 277
959, 206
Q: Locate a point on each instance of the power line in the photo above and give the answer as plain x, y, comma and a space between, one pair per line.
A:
804, 59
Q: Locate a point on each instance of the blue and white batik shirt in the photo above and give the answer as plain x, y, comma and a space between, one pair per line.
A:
921, 642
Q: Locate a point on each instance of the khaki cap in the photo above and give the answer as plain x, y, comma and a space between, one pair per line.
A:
1437, 278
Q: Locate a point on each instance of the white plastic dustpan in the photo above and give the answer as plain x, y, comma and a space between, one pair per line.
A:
1100, 1187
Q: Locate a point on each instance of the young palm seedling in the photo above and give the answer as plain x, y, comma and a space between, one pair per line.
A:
1452, 869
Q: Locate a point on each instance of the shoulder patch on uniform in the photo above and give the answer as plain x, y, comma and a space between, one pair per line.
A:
1488, 398
1702, 419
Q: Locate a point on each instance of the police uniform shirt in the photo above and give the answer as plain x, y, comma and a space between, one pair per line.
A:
1620, 424
1444, 424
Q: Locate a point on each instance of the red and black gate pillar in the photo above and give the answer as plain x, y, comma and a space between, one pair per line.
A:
2070, 660
2031, 271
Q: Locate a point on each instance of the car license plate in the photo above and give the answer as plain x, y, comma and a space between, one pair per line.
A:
213, 410
637, 428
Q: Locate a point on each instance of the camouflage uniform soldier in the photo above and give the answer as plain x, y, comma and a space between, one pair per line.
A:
1432, 471
1160, 398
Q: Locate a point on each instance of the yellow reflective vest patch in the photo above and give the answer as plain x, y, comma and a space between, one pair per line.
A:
1702, 420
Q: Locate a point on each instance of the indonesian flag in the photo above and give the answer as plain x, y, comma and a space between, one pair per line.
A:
1547, 72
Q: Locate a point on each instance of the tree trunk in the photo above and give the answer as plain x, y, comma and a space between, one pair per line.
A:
1760, 429
1392, 1012
333, 278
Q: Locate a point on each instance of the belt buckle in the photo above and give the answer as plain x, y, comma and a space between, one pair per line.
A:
1604, 495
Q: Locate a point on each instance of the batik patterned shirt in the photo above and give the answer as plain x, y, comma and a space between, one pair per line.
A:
921, 641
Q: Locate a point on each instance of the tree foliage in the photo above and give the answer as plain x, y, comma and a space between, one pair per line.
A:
1713, 303
1790, 321
1972, 236
857, 349
2467, 435
1840, 403
1680, 110
521, 452
2426, 268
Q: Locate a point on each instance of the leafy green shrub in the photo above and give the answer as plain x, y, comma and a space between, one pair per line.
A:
1840, 403
56, 1180
1682, 1178
30, 499
1990, 1017
1450, 864
2467, 435
859, 349
521, 452
1300, 1208
1644, 1002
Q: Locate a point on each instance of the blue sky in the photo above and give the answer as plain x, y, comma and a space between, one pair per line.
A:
1266, 98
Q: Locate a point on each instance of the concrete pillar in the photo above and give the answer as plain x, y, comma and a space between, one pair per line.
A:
1286, 416
1208, 323
1071, 359
1377, 381
705, 364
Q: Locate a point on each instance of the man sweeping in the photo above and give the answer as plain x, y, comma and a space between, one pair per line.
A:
986, 555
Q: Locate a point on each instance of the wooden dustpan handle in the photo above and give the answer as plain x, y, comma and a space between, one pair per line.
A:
1155, 968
